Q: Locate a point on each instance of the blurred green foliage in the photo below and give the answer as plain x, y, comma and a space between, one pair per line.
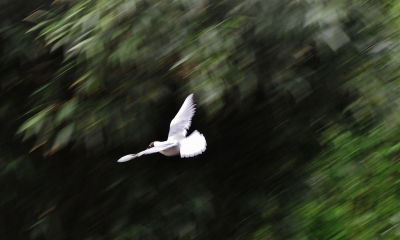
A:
298, 101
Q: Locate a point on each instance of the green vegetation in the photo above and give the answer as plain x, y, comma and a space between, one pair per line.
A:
298, 101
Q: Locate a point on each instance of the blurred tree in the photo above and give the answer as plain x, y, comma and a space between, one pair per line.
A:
297, 100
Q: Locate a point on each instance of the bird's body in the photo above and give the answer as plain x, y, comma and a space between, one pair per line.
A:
171, 151
177, 142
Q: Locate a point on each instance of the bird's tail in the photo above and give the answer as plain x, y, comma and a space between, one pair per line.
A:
193, 145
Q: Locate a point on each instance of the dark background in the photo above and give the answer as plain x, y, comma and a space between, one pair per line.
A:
298, 101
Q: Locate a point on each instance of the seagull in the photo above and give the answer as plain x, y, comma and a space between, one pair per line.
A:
177, 142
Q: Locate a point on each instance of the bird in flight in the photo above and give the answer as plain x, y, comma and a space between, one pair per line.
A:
177, 142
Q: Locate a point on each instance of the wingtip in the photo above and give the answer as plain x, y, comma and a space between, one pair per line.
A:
193, 100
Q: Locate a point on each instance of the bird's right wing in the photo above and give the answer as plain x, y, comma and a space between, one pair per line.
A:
193, 145
181, 123
147, 151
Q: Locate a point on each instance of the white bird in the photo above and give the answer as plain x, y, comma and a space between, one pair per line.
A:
177, 142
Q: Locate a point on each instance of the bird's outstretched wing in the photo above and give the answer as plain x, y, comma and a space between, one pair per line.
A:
181, 123
147, 151
193, 145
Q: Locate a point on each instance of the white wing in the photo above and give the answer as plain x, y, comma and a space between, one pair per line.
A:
181, 123
147, 151
193, 145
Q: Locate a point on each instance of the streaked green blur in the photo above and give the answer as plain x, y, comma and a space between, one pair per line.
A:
298, 100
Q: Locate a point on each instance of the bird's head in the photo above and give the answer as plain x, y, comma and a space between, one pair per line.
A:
151, 145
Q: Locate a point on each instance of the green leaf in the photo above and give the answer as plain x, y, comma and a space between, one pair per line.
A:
34, 120
12, 166
66, 111
40, 25
63, 137
184, 59
41, 88
58, 33
81, 44
37, 223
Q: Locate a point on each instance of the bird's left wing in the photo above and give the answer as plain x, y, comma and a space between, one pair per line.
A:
147, 151
181, 123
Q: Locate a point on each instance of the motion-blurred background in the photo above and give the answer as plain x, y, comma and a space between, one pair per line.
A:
298, 100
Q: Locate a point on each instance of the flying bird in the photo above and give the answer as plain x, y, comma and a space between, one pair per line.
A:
177, 142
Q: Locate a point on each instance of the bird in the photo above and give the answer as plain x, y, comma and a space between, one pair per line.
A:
177, 142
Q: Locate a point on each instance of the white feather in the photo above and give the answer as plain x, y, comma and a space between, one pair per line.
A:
193, 145
182, 121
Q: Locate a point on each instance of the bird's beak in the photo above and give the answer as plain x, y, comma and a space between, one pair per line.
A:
151, 145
